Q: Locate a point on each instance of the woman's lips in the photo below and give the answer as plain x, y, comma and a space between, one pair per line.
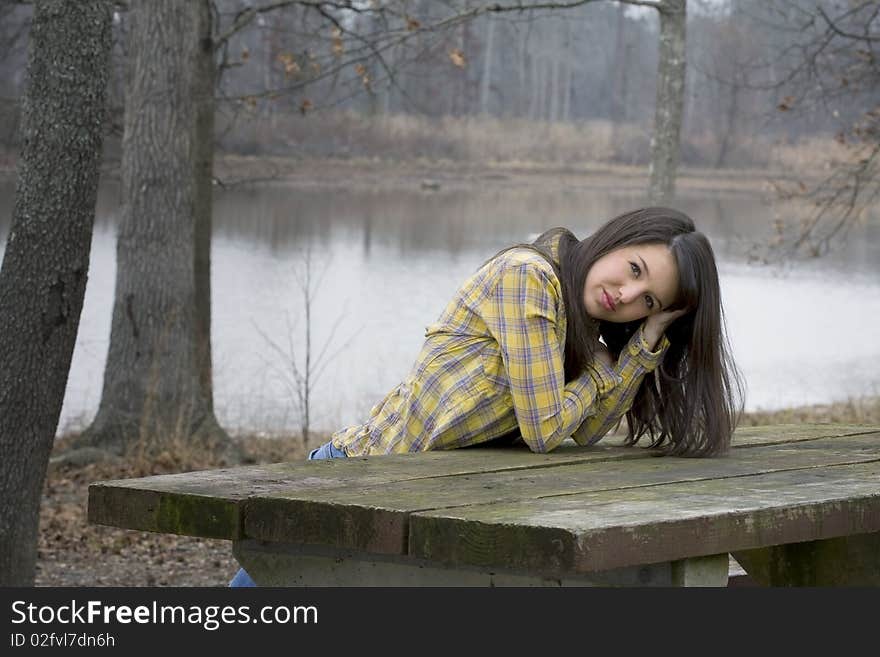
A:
606, 301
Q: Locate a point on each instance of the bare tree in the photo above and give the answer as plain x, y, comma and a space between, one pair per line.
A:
834, 71
301, 372
391, 35
45, 266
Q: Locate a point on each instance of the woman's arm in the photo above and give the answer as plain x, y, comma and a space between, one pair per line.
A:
636, 359
641, 355
522, 315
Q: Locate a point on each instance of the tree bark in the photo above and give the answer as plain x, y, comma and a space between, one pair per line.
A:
203, 91
157, 380
669, 108
43, 278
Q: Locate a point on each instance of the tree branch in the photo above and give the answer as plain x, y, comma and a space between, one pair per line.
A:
847, 35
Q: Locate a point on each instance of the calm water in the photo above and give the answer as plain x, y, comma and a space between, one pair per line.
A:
802, 333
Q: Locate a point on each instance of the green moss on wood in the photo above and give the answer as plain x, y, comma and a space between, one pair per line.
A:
196, 515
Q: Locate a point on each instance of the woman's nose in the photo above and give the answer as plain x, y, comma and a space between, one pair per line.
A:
631, 291
626, 293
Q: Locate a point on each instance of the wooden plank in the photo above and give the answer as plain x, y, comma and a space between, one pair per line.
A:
778, 434
148, 510
774, 434
597, 531
375, 518
170, 503
284, 564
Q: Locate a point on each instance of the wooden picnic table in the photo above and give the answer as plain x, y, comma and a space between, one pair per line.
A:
794, 504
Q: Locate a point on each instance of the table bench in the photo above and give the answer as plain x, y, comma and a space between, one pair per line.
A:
794, 504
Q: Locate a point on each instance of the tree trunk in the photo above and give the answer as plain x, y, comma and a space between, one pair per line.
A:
525, 59
157, 380
618, 95
727, 135
388, 87
203, 91
567, 74
486, 82
535, 95
43, 278
669, 109
553, 110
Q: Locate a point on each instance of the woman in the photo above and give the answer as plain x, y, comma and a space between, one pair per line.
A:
561, 338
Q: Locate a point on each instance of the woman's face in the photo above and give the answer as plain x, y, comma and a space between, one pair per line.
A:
631, 283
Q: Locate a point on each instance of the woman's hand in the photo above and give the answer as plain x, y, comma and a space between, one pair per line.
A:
657, 324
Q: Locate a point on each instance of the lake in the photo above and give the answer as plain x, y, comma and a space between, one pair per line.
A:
387, 259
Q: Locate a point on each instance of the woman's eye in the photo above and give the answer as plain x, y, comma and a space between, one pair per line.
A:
635, 268
649, 302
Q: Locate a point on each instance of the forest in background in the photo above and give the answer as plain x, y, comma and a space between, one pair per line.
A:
567, 86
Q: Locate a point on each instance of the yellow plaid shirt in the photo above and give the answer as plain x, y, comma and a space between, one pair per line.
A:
492, 363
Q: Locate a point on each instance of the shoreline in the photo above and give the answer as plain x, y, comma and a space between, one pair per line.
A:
235, 170
232, 170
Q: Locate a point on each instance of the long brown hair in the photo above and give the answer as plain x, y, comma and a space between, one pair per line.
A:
689, 406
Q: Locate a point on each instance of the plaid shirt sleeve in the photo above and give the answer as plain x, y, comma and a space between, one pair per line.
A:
636, 360
524, 315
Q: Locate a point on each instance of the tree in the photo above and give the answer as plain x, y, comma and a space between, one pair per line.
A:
157, 380
669, 101
43, 277
669, 106
834, 74
301, 372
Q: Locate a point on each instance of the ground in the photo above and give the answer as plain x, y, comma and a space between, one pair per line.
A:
75, 553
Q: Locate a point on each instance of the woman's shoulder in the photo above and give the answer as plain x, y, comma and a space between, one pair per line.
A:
527, 268
523, 256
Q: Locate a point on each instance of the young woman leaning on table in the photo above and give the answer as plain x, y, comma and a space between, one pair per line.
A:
561, 338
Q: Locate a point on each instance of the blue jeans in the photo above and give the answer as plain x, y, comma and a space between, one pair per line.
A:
325, 451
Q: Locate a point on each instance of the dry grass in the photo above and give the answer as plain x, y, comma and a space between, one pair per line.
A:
488, 141
467, 139
854, 411
810, 154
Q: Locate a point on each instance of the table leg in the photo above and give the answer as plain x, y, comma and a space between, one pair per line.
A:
701, 571
843, 561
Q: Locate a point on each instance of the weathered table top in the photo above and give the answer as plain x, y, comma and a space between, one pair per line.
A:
575, 510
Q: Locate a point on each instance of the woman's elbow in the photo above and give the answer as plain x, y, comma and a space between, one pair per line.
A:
542, 445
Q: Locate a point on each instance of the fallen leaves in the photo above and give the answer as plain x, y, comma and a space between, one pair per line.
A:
457, 58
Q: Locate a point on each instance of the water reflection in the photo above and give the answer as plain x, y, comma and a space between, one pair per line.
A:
391, 257
454, 221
